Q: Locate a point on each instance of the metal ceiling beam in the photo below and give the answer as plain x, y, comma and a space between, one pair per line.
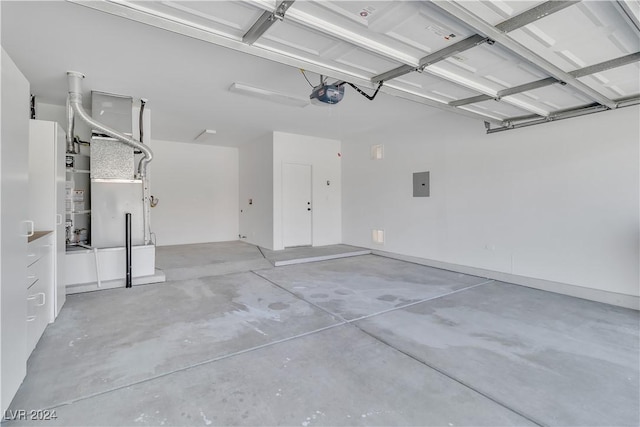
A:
606, 65
581, 72
628, 101
527, 87
533, 14
399, 92
518, 122
515, 22
623, 6
432, 58
265, 21
471, 100
482, 27
137, 12
506, 92
560, 116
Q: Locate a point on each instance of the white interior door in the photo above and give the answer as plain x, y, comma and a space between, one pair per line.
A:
296, 205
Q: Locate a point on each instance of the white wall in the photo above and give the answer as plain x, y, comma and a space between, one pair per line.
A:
557, 202
256, 183
323, 156
197, 186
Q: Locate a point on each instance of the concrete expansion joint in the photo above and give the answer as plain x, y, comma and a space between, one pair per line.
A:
340, 322
192, 366
368, 316
454, 378
354, 324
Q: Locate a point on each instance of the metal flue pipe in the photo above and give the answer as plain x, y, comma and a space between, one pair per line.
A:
75, 100
71, 149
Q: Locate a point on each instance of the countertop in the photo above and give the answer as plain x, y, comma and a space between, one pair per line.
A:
38, 234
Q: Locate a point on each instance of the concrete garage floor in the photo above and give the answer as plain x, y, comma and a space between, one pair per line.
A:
363, 340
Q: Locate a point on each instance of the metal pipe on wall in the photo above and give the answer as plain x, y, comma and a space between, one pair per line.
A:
75, 99
127, 238
71, 149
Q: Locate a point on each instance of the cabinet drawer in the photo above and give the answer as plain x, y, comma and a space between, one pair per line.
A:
34, 272
38, 248
39, 254
38, 309
34, 253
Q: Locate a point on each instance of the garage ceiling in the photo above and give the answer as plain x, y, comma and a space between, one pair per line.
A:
510, 63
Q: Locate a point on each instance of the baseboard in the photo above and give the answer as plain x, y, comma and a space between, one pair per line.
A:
320, 258
620, 300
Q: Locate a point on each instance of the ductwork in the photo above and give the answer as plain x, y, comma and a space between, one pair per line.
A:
74, 80
75, 101
71, 149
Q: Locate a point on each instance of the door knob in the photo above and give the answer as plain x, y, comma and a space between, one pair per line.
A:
308, 209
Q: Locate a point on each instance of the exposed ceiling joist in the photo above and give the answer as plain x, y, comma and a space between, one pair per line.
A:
265, 21
533, 14
482, 27
432, 58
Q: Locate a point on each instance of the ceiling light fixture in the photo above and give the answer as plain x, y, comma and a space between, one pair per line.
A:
269, 95
205, 136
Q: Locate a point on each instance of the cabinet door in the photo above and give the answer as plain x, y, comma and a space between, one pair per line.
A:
47, 196
13, 247
40, 293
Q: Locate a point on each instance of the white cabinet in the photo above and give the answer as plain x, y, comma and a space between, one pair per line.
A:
39, 285
13, 227
47, 146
